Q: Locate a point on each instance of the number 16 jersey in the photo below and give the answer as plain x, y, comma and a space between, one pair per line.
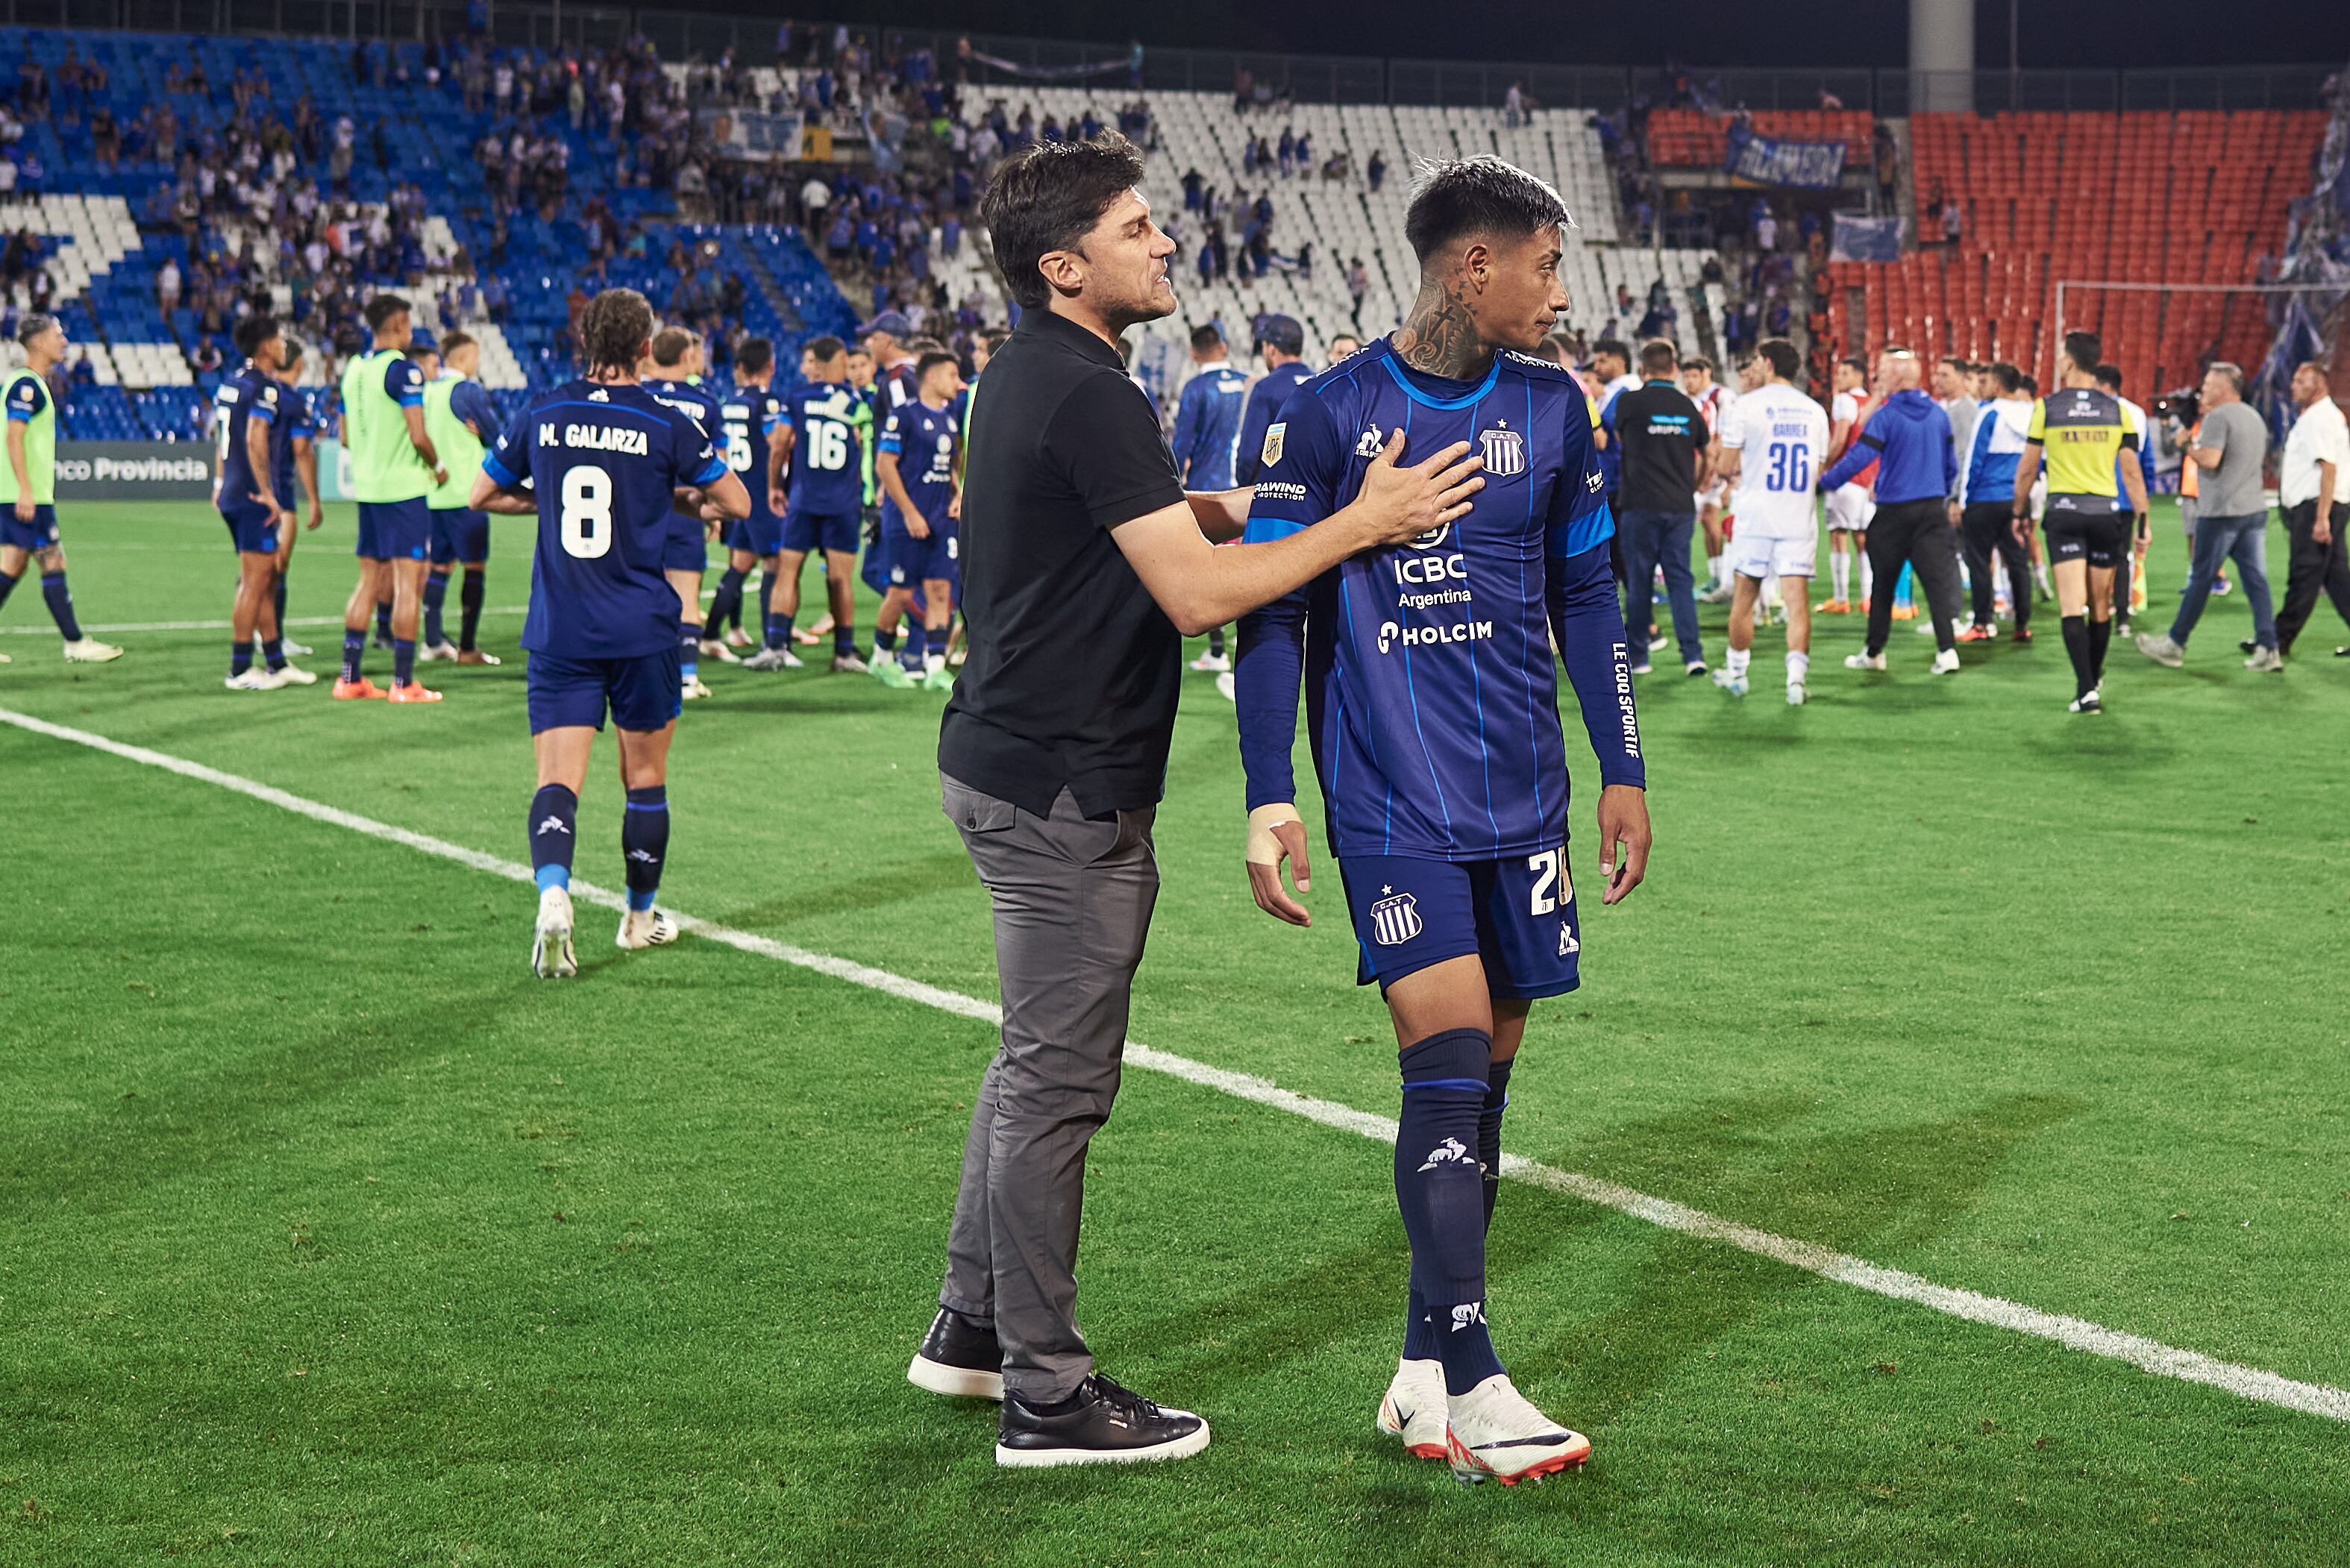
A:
1783, 439
603, 462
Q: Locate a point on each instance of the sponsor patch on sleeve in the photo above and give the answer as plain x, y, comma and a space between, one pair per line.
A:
1272, 454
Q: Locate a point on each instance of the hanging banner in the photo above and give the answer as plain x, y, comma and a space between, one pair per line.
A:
1860, 238
1754, 160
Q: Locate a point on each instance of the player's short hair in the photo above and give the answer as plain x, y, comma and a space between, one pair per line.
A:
995, 338
1203, 339
932, 361
33, 326
1961, 366
2085, 350
1659, 357
2008, 377
2314, 369
672, 344
925, 344
753, 354
1615, 345
294, 349
825, 350
382, 309
2109, 377
2232, 370
2027, 383
1560, 348
613, 329
253, 332
1781, 356
1046, 197
1460, 198
858, 350
1698, 362
454, 341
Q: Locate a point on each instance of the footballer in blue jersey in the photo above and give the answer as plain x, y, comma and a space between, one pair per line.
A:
1434, 710
1207, 436
817, 438
252, 422
673, 374
294, 461
603, 465
747, 418
916, 464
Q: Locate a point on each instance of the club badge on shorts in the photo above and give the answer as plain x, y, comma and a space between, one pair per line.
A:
1394, 921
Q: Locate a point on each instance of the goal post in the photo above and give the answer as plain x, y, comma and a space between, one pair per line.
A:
2162, 336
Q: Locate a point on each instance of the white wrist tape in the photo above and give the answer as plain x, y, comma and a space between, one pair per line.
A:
1263, 848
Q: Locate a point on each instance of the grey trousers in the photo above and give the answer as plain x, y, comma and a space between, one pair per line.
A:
1072, 901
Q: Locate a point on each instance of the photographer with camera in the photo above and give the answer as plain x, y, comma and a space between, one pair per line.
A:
2232, 520
2182, 412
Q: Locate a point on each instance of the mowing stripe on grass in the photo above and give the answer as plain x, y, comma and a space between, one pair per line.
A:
35, 629
2147, 1355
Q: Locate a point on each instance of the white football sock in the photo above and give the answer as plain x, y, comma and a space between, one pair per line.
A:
1840, 568
1713, 573
1799, 666
1738, 658
1867, 579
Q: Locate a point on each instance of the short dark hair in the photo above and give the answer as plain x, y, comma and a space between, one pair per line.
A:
613, 327
382, 309
1856, 362
1657, 356
1957, 364
1781, 356
2108, 375
1203, 339
753, 354
2009, 378
1698, 362
2027, 382
932, 361
1047, 197
1460, 198
671, 343
2085, 350
294, 348
822, 350
1615, 345
454, 341
253, 332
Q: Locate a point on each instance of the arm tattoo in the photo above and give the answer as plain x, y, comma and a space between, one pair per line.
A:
1439, 336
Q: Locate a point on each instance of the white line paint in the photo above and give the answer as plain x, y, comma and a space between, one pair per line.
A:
37, 629
2147, 1355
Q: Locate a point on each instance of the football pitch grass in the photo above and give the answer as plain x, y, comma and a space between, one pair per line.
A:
334, 1236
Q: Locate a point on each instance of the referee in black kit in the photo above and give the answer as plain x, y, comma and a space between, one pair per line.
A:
1085, 565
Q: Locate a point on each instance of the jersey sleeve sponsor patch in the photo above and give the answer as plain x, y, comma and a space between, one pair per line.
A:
1274, 433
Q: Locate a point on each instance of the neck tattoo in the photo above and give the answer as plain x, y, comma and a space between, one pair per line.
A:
1440, 337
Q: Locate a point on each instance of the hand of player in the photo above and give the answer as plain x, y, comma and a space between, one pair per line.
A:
2321, 531
440, 476
317, 515
1398, 504
1624, 839
1271, 842
263, 499
917, 526
24, 508
954, 506
2022, 528
776, 499
1953, 510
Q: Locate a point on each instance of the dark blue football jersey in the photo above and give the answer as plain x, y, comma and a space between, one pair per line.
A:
1431, 697
923, 437
603, 462
827, 456
697, 403
748, 416
251, 394
295, 420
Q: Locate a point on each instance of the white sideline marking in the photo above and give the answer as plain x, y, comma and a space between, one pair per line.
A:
36, 629
2147, 1355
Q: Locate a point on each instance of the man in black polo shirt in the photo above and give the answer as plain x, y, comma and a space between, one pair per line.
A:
1663, 438
1085, 565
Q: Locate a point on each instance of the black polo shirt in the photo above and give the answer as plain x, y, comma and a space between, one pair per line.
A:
1074, 671
1661, 432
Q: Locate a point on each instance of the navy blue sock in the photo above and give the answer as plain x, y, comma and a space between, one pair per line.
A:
689, 648
779, 631
938, 636
436, 593
469, 609
60, 602
726, 602
403, 661
240, 658
884, 642
383, 619
758, 596
1439, 1190
273, 654
354, 652
1489, 1131
844, 639
8, 585
644, 843
280, 591
553, 830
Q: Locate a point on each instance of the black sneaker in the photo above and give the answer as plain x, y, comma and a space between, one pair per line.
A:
2246, 646
1101, 1424
960, 1358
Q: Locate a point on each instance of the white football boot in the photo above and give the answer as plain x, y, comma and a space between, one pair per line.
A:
1493, 1433
645, 929
1414, 1409
550, 946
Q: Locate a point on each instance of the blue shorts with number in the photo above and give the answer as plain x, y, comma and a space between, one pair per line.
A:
395, 530
685, 548
907, 562
805, 531
761, 534
1516, 914
644, 693
38, 535
253, 528
460, 533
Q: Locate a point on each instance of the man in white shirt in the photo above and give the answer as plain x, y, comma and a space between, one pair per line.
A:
1849, 507
2311, 486
1713, 401
1774, 445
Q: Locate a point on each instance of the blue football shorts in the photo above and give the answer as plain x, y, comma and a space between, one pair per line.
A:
1516, 914
643, 692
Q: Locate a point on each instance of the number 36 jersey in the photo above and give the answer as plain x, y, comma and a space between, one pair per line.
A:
603, 461
1783, 439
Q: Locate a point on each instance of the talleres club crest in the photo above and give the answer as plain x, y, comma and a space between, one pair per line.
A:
1505, 451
